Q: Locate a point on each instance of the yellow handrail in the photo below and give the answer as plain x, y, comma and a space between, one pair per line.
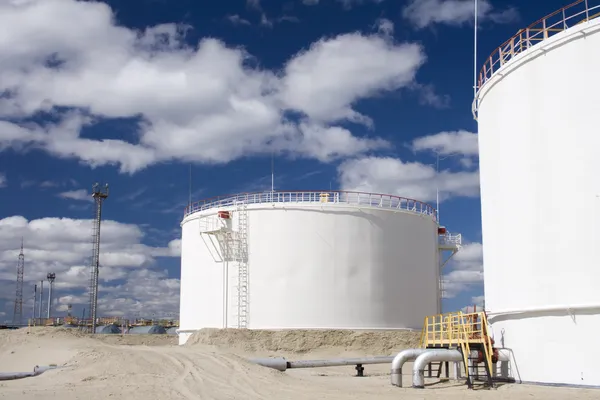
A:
458, 329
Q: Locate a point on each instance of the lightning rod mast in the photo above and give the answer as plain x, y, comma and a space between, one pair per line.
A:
99, 195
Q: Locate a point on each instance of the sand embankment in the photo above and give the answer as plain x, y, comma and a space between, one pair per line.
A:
212, 365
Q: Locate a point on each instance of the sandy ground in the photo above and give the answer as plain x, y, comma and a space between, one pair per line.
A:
212, 366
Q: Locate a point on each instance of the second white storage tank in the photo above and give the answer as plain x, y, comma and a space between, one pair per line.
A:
309, 260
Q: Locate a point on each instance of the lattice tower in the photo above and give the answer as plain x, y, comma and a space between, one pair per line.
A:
18, 311
99, 194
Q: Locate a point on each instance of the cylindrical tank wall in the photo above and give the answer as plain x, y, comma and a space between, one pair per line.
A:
540, 195
316, 267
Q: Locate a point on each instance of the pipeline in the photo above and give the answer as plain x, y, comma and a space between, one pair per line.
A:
400, 359
444, 355
281, 364
424, 359
7, 376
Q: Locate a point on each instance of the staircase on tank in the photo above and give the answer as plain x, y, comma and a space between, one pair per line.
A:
232, 247
467, 333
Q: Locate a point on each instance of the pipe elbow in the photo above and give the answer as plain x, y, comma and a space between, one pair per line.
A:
424, 359
400, 359
503, 355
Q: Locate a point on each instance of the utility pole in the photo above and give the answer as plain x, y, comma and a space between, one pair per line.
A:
18, 311
99, 194
41, 299
34, 303
50, 277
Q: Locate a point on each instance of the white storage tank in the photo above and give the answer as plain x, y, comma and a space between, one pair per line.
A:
539, 143
309, 260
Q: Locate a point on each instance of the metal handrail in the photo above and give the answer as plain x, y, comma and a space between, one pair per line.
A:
451, 239
575, 13
386, 201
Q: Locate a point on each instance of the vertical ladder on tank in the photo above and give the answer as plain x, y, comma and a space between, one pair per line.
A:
242, 259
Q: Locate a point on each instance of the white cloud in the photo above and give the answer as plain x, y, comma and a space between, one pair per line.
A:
347, 4
48, 184
408, 179
423, 13
477, 303
385, 26
207, 103
330, 143
80, 194
130, 278
428, 96
449, 144
446, 143
2, 179
465, 270
254, 4
328, 78
237, 20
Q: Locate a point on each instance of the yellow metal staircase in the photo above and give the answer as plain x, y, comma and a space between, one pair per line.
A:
464, 332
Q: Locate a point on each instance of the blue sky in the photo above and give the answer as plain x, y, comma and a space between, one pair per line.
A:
348, 94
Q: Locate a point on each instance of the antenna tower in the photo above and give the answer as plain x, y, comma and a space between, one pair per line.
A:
99, 194
18, 312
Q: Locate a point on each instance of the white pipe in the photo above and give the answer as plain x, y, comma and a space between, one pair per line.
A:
278, 363
574, 307
457, 370
424, 359
281, 364
338, 362
503, 355
178, 331
7, 376
400, 359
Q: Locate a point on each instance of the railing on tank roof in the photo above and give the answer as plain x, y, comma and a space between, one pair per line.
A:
575, 13
340, 197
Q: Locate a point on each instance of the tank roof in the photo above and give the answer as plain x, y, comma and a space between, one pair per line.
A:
148, 329
385, 201
108, 329
560, 20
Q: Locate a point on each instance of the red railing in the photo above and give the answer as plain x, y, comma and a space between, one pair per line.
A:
571, 15
314, 196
